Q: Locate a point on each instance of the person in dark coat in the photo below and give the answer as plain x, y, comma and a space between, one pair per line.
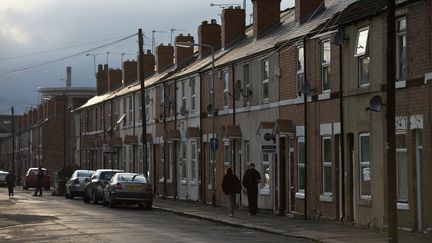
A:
251, 179
10, 179
39, 178
230, 186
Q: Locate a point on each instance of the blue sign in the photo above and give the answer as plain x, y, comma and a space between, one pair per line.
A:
213, 143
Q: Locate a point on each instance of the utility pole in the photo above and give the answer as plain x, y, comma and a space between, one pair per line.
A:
143, 113
13, 139
392, 219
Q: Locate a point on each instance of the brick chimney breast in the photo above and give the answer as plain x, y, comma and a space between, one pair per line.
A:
209, 34
304, 8
233, 25
183, 53
129, 72
115, 77
101, 79
165, 57
266, 15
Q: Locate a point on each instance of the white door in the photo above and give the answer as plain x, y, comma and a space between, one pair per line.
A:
182, 168
192, 167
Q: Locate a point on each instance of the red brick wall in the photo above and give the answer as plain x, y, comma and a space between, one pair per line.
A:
266, 15
183, 53
233, 25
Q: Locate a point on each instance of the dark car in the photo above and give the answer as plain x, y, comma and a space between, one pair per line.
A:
93, 189
128, 188
76, 184
30, 179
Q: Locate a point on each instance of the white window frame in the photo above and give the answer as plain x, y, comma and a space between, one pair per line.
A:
193, 94
360, 69
147, 105
170, 161
183, 171
124, 123
183, 94
226, 152
300, 68
364, 164
362, 41
131, 110
225, 82
265, 77
265, 183
211, 89
325, 65
246, 81
326, 164
300, 164
162, 161
247, 152
401, 36
400, 150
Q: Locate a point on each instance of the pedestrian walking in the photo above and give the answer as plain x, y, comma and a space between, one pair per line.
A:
10, 179
251, 179
39, 178
230, 186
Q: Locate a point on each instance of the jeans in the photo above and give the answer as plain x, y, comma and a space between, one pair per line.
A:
231, 202
38, 189
252, 194
11, 189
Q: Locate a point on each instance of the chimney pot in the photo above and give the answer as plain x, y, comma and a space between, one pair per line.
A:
209, 34
233, 25
266, 15
183, 53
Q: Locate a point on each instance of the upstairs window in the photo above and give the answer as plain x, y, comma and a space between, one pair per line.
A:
246, 81
225, 88
211, 89
325, 65
363, 57
193, 94
300, 68
362, 41
147, 105
265, 71
131, 118
183, 95
401, 49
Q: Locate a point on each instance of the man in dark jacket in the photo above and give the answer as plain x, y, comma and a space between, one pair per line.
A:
230, 186
251, 179
10, 179
39, 178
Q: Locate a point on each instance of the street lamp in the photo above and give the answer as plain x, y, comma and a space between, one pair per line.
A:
213, 139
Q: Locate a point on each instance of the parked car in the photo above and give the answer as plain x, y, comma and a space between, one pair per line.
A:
30, 179
128, 188
3, 175
76, 184
93, 189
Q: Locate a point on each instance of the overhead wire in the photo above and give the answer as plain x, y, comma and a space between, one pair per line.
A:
23, 68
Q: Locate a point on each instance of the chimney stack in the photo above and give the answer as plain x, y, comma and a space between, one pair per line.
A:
233, 25
266, 15
304, 8
129, 72
101, 79
183, 53
115, 79
209, 34
165, 57
149, 65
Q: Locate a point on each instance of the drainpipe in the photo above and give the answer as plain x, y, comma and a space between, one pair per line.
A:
342, 134
202, 194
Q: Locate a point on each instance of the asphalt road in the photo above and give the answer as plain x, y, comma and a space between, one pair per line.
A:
54, 219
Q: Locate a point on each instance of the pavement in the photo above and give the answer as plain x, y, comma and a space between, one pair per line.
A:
318, 231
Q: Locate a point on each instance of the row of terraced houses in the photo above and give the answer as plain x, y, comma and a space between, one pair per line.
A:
297, 79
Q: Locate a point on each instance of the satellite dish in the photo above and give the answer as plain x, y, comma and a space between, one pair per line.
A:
210, 109
238, 90
376, 104
183, 111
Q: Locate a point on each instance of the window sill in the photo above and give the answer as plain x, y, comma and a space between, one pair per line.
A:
183, 182
264, 192
300, 195
403, 206
326, 198
400, 84
324, 96
169, 181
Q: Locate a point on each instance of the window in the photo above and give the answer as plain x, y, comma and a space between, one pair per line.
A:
131, 118
301, 165
364, 70
265, 71
147, 106
365, 170
169, 94
362, 41
162, 161
193, 94
183, 95
402, 168
226, 153
193, 161
211, 88
246, 81
327, 165
266, 171
138, 102
183, 164
170, 160
325, 64
225, 88
124, 110
247, 152
300, 68
162, 101
401, 49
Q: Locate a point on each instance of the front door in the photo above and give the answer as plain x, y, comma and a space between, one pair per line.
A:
182, 169
192, 169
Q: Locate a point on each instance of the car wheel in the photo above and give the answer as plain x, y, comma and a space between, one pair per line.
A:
148, 205
111, 203
94, 198
104, 202
67, 195
86, 198
71, 194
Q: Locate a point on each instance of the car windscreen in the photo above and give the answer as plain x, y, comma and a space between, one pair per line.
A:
84, 174
106, 175
131, 178
35, 172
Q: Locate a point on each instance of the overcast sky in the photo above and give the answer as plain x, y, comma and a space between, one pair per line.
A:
34, 32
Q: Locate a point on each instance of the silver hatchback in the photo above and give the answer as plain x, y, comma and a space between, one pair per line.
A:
75, 185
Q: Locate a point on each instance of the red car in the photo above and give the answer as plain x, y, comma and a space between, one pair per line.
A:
30, 179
